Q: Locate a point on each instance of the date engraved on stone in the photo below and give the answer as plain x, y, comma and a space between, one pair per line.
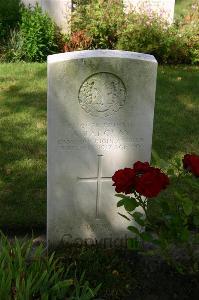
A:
102, 94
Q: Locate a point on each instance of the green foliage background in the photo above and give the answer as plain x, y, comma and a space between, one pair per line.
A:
9, 17
29, 34
33, 37
101, 24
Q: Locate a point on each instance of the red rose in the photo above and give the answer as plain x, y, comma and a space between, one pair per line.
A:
140, 167
191, 163
124, 180
151, 183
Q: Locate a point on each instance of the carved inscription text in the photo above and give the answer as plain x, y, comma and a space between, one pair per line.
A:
108, 136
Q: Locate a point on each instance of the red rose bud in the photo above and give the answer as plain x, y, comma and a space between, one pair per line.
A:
124, 180
191, 163
151, 183
140, 167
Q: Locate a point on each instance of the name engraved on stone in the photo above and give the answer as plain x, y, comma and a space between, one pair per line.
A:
106, 136
102, 94
99, 179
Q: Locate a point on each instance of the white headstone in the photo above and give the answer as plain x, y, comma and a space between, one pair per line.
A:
59, 10
31, 2
164, 8
100, 119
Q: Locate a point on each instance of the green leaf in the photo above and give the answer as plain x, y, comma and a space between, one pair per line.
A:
120, 203
146, 236
184, 235
164, 205
162, 164
187, 206
178, 162
156, 157
133, 229
120, 196
178, 196
138, 217
130, 204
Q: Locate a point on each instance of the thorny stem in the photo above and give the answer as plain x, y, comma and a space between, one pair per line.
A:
143, 204
180, 174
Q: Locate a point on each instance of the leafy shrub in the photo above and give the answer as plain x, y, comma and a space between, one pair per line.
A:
100, 21
27, 273
169, 229
78, 40
189, 31
36, 37
39, 34
13, 50
99, 24
102, 24
143, 33
9, 16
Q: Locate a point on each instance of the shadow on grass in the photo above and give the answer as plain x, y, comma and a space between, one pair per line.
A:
176, 125
23, 154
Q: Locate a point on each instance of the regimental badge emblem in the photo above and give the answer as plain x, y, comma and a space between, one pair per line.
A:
102, 94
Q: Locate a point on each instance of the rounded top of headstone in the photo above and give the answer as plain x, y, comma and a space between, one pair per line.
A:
100, 53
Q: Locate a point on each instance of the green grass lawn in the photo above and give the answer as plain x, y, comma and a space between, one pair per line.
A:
176, 126
23, 134
22, 145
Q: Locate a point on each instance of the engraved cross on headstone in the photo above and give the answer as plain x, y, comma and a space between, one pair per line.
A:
99, 179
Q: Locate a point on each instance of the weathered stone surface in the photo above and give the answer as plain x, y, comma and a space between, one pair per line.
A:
31, 2
100, 119
164, 8
58, 10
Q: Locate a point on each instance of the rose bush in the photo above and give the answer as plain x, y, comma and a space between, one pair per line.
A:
191, 163
151, 183
176, 224
124, 180
142, 178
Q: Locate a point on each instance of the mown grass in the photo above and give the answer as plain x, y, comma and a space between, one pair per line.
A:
176, 126
22, 145
23, 134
